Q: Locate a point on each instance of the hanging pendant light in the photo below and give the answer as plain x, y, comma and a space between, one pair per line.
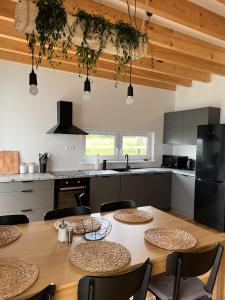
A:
33, 78
87, 88
130, 90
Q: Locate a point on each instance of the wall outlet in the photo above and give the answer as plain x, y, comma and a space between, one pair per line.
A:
70, 148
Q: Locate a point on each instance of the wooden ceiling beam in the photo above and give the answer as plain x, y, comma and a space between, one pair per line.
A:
21, 47
68, 67
7, 30
185, 60
189, 14
159, 35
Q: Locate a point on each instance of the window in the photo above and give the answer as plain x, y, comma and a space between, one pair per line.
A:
102, 144
114, 145
135, 145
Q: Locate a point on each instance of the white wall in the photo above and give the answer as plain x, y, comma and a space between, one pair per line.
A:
200, 95
24, 119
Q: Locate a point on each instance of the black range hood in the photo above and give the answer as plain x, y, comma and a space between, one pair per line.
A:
65, 119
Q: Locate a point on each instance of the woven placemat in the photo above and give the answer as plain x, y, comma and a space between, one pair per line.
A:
170, 238
132, 216
99, 256
80, 224
8, 234
16, 276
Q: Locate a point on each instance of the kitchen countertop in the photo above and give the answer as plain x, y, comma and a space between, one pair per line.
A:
88, 173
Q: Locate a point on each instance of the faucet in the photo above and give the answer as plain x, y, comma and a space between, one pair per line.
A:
127, 164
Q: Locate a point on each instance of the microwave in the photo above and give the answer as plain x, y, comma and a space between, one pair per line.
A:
174, 162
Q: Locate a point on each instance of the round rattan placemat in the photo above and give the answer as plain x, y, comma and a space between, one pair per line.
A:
99, 256
80, 224
16, 276
8, 234
132, 216
170, 238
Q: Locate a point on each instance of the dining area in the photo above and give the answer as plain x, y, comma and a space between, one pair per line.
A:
120, 252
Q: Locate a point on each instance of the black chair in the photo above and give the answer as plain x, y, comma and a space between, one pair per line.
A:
47, 293
119, 287
66, 212
111, 206
180, 281
81, 199
13, 219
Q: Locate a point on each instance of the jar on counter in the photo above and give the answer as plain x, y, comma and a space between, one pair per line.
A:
23, 168
31, 167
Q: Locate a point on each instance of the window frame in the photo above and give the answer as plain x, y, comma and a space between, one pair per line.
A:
91, 158
118, 151
149, 135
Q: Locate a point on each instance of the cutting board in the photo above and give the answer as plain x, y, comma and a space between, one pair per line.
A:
9, 162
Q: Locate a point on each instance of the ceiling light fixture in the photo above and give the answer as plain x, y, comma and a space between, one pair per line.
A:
87, 88
33, 78
130, 90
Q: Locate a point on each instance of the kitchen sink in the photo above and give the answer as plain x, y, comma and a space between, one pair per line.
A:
124, 170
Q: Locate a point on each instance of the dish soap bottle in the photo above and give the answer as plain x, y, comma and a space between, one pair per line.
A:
97, 163
62, 234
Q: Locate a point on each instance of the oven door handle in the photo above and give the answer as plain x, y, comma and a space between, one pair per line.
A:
73, 188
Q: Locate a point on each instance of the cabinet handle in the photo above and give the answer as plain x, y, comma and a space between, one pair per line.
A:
27, 191
27, 181
183, 175
26, 210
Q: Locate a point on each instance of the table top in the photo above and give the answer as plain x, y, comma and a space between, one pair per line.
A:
39, 244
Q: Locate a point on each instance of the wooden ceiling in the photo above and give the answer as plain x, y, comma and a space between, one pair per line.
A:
178, 58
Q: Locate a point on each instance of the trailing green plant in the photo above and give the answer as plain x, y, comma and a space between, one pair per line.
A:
127, 40
50, 27
123, 36
94, 27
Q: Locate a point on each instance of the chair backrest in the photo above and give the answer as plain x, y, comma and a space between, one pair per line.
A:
47, 293
119, 287
13, 219
193, 264
82, 199
66, 212
111, 206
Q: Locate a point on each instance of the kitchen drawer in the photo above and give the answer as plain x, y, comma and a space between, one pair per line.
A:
34, 215
18, 201
26, 185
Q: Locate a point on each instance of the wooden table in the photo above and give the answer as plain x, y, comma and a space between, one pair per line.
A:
39, 244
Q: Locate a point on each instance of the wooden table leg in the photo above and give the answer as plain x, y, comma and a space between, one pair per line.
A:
220, 293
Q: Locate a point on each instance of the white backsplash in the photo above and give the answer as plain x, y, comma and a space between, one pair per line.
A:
185, 150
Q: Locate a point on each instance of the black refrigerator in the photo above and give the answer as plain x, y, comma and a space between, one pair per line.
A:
210, 176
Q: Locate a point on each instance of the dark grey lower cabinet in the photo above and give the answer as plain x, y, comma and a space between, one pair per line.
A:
183, 190
134, 187
159, 190
103, 189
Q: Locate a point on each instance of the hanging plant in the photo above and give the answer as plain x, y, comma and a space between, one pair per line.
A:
94, 28
127, 41
50, 22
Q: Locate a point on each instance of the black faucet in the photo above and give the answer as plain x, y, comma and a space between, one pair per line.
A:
127, 164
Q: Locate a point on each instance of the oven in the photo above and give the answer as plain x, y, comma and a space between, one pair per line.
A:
67, 191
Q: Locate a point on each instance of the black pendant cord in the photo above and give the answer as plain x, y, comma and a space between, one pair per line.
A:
32, 52
130, 71
128, 8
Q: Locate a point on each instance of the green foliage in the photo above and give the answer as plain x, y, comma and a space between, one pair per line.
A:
127, 39
51, 22
50, 25
94, 27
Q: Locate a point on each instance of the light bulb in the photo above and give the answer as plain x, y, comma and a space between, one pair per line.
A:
86, 95
130, 100
33, 89
33, 83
